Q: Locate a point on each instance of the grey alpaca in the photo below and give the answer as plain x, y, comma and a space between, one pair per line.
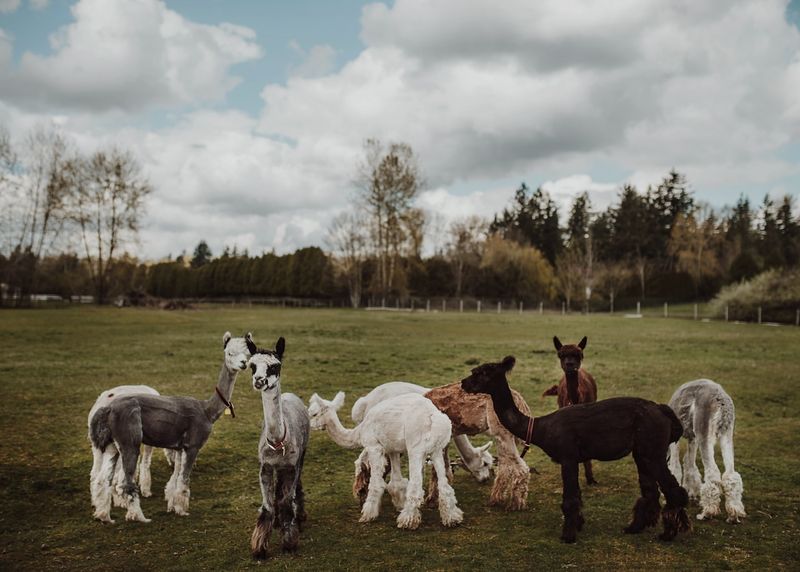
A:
707, 414
179, 423
281, 451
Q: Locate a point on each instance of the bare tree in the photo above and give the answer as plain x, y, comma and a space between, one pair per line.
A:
389, 179
347, 238
570, 273
612, 276
107, 205
467, 237
693, 242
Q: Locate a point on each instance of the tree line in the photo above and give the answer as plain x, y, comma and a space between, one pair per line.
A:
68, 217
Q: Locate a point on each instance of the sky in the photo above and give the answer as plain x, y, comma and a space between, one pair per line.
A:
249, 118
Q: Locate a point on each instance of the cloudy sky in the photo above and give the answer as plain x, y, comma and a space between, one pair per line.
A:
249, 117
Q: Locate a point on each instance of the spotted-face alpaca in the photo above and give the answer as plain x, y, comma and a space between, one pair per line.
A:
281, 451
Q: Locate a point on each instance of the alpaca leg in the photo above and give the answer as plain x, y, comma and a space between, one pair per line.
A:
731, 480
449, 512
172, 483
432, 498
129, 456
674, 515
648, 506
182, 493
711, 491
145, 480
286, 487
97, 462
372, 504
299, 494
361, 480
691, 474
397, 483
674, 461
410, 517
571, 502
587, 470
118, 484
169, 455
513, 475
259, 541
102, 488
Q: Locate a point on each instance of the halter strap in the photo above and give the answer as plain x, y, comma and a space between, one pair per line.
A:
228, 404
528, 437
279, 445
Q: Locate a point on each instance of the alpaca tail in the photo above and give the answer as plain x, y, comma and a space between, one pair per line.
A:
359, 410
676, 431
551, 391
100, 430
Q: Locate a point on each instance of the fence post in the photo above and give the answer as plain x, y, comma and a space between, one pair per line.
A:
479, 306
383, 302
759, 314
541, 308
695, 311
611, 309
499, 306
520, 308
412, 304
428, 305
397, 303
666, 310
444, 305
797, 318
726, 312
563, 308
638, 308
461, 305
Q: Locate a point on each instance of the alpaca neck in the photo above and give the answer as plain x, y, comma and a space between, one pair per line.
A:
505, 408
214, 407
274, 427
572, 377
348, 438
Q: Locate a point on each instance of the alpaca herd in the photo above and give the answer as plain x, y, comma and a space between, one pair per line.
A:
400, 420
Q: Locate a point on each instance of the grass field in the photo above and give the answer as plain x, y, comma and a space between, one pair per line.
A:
54, 363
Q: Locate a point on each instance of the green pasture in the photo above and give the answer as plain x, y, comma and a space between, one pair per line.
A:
54, 363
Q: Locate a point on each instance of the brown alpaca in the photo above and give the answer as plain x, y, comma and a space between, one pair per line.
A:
472, 414
576, 385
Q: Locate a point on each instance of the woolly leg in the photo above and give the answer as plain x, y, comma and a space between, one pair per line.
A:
169, 455
97, 462
145, 480
118, 484
674, 515
397, 483
432, 498
571, 502
511, 481
287, 480
691, 474
361, 479
648, 507
259, 541
674, 461
711, 491
449, 512
372, 504
128, 458
587, 470
182, 494
410, 517
300, 495
172, 483
101, 493
731, 480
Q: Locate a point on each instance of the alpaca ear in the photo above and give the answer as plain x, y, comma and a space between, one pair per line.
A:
338, 401
313, 399
582, 343
251, 345
280, 347
225, 339
508, 363
483, 448
557, 343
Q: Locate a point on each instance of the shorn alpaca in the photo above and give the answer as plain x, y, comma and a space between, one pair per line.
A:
180, 423
606, 430
477, 460
707, 414
471, 415
143, 472
576, 385
281, 451
408, 424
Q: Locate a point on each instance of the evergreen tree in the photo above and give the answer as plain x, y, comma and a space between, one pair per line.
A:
202, 255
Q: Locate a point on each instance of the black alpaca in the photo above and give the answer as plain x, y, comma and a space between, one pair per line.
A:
605, 430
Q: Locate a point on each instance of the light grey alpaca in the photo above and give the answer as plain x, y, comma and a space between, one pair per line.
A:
707, 414
180, 423
281, 451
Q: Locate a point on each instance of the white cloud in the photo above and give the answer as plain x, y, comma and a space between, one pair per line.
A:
8, 6
39, 4
129, 55
318, 61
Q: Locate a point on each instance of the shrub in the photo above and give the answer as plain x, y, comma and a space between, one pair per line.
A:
777, 292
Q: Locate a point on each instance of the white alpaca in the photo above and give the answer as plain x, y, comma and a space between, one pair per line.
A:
143, 471
707, 414
408, 424
477, 460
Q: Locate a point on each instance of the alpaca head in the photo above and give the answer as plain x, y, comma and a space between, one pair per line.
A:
482, 466
237, 350
488, 377
321, 411
570, 355
266, 367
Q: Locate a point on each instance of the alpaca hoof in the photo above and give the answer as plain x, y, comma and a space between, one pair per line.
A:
260, 554
630, 529
569, 538
666, 537
409, 520
453, 520
147, 494
734, 519
367, 517
136, 518
591, 482
105, 518
580, 523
